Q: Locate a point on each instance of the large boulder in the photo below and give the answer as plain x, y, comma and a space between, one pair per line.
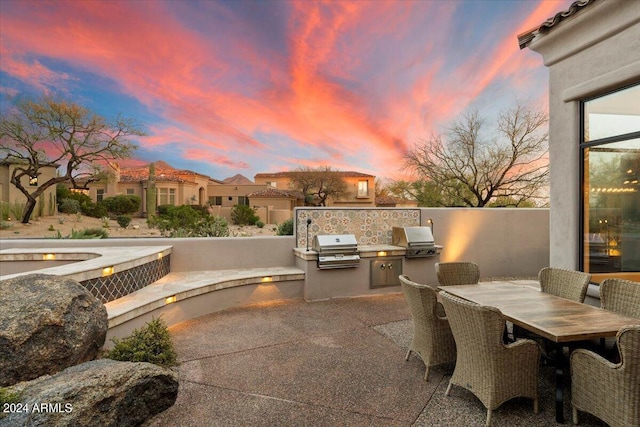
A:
97, 393
47, 323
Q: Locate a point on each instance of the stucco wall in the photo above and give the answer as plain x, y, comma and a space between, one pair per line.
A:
591, 53
504, 242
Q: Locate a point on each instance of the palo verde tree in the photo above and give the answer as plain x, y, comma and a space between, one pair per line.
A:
318, 185
52, 133
471, 170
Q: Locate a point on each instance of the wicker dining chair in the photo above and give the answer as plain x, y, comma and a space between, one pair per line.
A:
562, 283
567, 284
610, 391
493, 371
432, 338
457, 273
621, 296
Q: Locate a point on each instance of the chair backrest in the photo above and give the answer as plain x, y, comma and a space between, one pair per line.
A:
628, 339
422, 300
457, 273
567, 284
621, 296
477, 329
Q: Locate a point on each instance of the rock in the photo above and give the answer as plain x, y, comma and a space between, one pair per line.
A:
47, 323
98, 393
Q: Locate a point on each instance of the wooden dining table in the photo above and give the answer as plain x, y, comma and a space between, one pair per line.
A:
559, 320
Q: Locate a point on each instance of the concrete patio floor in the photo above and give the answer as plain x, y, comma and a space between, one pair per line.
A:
331, 363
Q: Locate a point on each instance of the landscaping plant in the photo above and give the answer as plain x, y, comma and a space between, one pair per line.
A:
152, 343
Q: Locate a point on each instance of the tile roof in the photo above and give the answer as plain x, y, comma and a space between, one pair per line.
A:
164, 173
237, 179
527, 37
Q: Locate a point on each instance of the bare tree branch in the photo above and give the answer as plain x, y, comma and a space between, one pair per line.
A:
474, 172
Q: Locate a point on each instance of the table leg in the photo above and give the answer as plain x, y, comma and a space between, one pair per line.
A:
560, 367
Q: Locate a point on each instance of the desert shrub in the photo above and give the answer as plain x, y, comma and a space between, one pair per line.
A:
151, 343
259, 224
88, 233
94, 210
123, 220
285, 228
215, 226
69, 206
122, 204
185, 221
85, 204
164, 209
5, 211
243, 215
204, 210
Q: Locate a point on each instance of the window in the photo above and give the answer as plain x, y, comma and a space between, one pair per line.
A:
610, 206
130, 191
243, 200
167, 196
273, 184
363, 188
215, 201
99, 194
33, 181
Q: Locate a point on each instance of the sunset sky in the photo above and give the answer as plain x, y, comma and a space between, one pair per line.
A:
227, 87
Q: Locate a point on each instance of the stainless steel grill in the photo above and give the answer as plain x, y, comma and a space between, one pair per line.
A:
418, 241
336, 251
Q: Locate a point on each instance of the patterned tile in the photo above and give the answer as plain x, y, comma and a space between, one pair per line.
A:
371, 226
123, 283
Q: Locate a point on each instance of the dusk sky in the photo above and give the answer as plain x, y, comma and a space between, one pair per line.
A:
228, 87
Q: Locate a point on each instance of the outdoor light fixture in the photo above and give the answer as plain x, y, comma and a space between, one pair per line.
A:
160, 255
430, 221
107, 271
308, 224
382, 253
170, 300
48, 257
266, 279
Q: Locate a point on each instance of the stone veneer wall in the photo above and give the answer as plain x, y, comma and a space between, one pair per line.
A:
371, 226
117, 285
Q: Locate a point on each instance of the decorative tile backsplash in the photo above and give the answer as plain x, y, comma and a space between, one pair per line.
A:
371, 226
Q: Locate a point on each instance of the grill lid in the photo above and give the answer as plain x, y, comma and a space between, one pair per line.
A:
409, 237
335, 243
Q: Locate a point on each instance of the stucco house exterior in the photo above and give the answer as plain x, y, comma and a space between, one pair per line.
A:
360, 187
10, 196
593, 54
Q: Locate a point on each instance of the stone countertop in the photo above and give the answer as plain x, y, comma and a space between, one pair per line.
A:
365, 251
91, 261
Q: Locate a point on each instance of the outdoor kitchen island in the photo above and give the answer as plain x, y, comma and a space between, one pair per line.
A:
376, 273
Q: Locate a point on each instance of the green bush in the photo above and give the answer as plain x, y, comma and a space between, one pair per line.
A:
151, 343
87, 233
259, 224
215, 226
94, 210
69, 206
123, 220
243, 215
122, 204
286, 228
188, 221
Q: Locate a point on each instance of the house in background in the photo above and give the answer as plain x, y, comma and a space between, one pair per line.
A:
173, 186
360, 187
12, 198
593, 54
